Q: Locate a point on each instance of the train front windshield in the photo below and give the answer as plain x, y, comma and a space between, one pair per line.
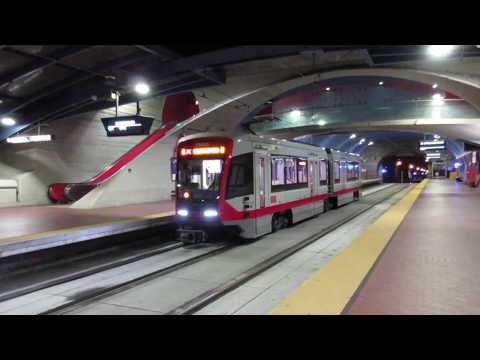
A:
200, 177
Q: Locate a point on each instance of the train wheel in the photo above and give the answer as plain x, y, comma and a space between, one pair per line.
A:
285, 220
277, 222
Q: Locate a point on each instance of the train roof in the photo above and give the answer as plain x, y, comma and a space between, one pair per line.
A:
270, 140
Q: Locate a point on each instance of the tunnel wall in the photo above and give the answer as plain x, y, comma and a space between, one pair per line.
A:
81, 149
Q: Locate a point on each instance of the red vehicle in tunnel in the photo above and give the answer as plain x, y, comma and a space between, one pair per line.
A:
252, 186
468, 168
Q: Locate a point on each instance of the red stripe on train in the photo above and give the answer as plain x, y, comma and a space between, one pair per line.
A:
228, 213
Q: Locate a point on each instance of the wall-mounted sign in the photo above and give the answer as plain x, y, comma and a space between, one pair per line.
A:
127, 125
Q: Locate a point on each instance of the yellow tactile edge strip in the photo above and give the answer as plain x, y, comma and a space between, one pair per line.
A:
329, 290
45, 234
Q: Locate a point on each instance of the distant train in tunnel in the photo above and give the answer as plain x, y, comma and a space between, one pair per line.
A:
251, 185
468, 168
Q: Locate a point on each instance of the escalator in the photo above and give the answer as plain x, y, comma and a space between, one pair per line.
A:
177, 108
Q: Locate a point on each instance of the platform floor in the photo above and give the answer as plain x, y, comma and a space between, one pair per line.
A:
21, 224
431, 264
420, 257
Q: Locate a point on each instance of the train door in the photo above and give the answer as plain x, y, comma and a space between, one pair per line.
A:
262, 223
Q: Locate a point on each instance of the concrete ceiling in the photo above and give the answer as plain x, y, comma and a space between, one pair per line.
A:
231, 84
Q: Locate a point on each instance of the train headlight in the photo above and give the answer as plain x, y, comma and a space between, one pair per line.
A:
182, 212
210, 213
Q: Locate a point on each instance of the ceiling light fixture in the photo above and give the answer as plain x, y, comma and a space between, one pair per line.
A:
380, 83
8, 121
27, 139
353, 136
434, 86
142, 88
296, 114
440, 50
437, 99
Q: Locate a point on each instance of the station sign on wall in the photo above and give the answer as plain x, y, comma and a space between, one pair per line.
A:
127, 125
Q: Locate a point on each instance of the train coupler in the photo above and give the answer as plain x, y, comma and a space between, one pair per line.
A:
187, 236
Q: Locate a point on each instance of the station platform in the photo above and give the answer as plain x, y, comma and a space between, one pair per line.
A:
419, 257
32, 228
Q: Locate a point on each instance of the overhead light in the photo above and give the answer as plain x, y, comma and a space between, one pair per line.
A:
142, 88
353, 136
434, 86
399, 163
440, 50
432, 142
370, 143
327, 88
436, 147
436, 136
380, 83
437, 99
433, 154
40, 138
18, 140
321, 122
362, 141
27, 139
8, 121
296, 113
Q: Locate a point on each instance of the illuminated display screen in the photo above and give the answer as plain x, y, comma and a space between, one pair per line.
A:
127, 125
198, 151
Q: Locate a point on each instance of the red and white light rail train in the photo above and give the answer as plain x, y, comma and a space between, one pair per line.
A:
251, 185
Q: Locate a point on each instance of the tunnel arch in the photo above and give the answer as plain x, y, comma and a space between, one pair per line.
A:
232, 116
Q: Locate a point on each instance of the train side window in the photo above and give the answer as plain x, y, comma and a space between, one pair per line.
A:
323, 172
352, 171
302, 171
240, 179
278, 170
336, 165
290, 171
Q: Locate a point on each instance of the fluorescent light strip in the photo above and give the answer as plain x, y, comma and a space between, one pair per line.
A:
27, 139
435, 142
425, 148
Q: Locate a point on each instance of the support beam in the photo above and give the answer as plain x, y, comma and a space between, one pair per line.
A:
40, 63
74, 80
167, 54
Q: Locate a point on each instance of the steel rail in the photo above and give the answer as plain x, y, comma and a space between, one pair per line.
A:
208, 297
211, 295
112, 290
87, 272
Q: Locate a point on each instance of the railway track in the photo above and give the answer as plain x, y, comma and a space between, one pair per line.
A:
198, 302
